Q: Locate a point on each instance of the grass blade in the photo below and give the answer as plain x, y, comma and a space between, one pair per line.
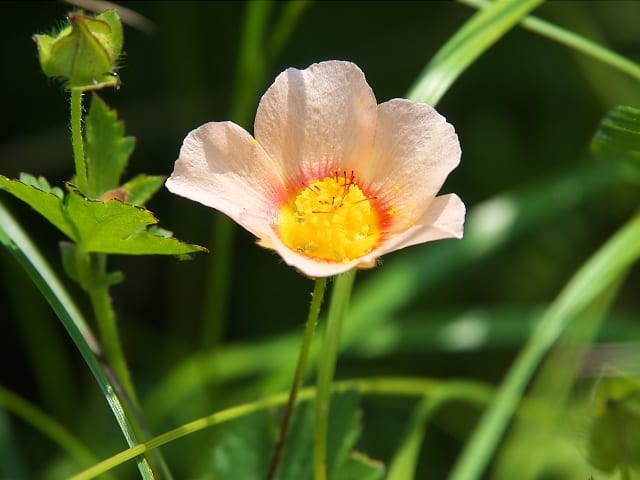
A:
468, 43
47, 426
606, 267
20, 246
571, 40
475, 393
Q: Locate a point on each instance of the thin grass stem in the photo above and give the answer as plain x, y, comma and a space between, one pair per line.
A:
604, 268
572, 40
474, 392
13, 237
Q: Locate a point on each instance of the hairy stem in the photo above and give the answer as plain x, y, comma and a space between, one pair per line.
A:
312, 321
326, 367
77, 139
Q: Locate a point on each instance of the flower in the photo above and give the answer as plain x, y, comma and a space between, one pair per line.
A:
332, 180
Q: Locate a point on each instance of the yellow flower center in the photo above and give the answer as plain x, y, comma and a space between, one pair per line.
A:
331, 219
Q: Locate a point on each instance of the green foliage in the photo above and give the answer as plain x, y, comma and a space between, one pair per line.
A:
107, 149
14, 239
96, 226
466, 45
41, 183
613, 439
604, 270
111, 221
142, 187
44, 202
248, 445
618, 136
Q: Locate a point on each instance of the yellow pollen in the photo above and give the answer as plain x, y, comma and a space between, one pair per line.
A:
331, 219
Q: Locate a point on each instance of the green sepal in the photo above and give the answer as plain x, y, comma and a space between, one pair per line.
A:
107, 280
85, 52
142, 187
68, 253
107, 149
70, 258
613, 439
96, 226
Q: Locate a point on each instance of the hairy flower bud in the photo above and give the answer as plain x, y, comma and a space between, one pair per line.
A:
85, 52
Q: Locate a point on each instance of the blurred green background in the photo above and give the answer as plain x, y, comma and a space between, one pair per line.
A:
525, 114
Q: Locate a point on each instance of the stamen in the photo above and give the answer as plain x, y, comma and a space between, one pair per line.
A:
336, 221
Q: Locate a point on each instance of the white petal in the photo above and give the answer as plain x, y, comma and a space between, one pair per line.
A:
414, 151
443, 219
315, 120
222, 166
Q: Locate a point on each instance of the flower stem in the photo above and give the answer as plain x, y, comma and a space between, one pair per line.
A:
77, 140
327, 365
106, 321
114, 361
310, 328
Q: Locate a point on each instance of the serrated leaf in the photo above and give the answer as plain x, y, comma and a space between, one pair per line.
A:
41, 183
159, 231
46, 204
116, 227
361, 467
613, 440
107, 149
112, 227
344, 430
619, 133
246, 450
142, 187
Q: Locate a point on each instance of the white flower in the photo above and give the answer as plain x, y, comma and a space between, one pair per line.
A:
332, 180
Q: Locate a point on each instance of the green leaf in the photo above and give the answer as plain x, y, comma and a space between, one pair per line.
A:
246, 448
142, 187
107, 149
613, 440
96, 226
248, 445
15, 240
41, 183
619, 134
116, 227
344, 431
45, 203
360, 467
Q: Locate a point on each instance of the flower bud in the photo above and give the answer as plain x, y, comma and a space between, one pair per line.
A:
85, 52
